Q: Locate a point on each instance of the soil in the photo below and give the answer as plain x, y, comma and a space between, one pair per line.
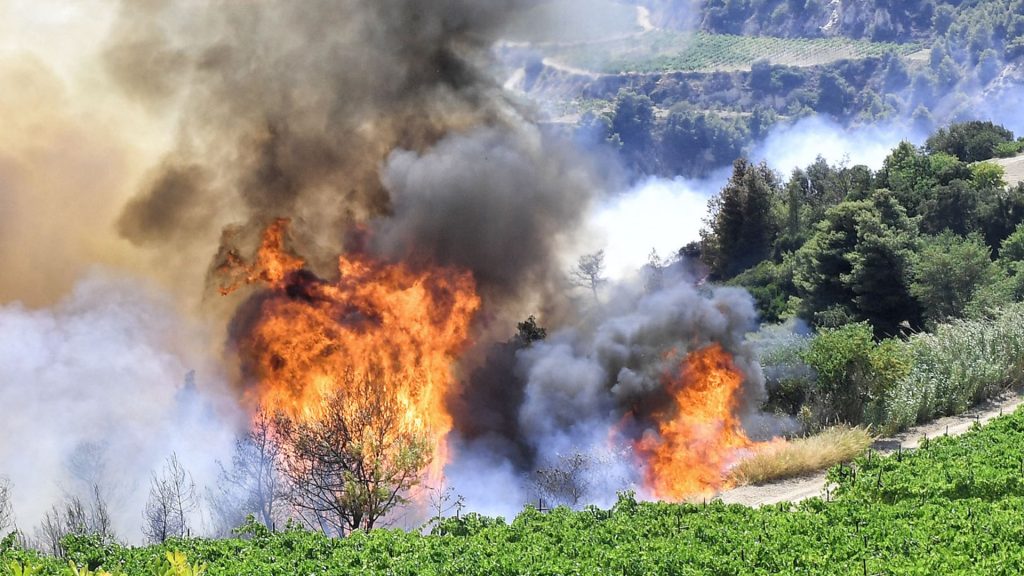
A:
1014, 168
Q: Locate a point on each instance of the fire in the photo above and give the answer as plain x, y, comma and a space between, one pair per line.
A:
312, 338
699, 437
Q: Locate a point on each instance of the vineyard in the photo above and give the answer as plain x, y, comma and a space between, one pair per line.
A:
953, 506
665, 51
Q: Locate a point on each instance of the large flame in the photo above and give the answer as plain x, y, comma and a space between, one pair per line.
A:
312, 338
699, 435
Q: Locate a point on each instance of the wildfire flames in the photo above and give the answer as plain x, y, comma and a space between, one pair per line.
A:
699, 437
313, 338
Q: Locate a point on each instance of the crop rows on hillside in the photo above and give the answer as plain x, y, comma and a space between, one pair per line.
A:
665, 51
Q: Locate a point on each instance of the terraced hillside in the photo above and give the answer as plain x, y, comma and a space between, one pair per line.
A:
668, 51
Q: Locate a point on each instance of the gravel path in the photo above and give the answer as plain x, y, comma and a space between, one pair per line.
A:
797, 489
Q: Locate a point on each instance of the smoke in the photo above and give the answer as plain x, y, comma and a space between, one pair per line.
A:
658, 214
373, 120
799, 144
290, 110
502, 203
581, 385
95, 394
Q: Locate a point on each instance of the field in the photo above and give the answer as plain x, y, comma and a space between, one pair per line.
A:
953, 506
664, 51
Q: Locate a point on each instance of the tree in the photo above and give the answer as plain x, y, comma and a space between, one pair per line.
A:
950, 272
589, 272
632, 123
172, 498
529, 331
6, 509
253, 484
969, 141
856, 266
953, 207
355, 461
572, 479
740, 228
880, 267
73, 517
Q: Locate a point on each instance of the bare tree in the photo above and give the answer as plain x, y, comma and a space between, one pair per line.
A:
6, 509
74, 517
589, 272
355, 463
253, 483
654, 272
573, 479
172, 498
567, 482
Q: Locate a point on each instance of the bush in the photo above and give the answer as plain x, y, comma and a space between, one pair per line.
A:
1009, 149
958, 365
856, 376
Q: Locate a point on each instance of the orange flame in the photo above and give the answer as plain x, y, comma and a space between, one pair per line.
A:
699, 437
312, 338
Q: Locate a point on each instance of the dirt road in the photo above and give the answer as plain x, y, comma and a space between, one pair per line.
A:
1014, 168
797, 489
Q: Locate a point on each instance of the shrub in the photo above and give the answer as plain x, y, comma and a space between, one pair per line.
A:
961, 363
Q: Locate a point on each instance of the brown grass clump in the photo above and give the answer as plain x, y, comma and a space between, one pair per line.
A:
780, 460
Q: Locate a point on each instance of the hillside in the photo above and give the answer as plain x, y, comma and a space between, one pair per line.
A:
1014, 168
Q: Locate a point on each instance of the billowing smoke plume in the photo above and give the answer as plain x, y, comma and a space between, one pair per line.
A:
591, 390
328, 113
97, 392
373, 127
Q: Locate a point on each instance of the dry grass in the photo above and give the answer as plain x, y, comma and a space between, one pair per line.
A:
803, 456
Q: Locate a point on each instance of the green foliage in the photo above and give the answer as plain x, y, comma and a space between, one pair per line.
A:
856, 266
988, 176
665, 51
696, 142
772, 287
953, 506
1009, 149
855, 376
740, 226
950, 273
958, 365
970, 141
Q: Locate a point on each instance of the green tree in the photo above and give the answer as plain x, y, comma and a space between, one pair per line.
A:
908, 173
954, 207
856, 266
632, 124
970, 141
880, 268
740, 227
949, 273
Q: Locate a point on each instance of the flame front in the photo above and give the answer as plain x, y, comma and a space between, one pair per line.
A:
312, 338
699, 436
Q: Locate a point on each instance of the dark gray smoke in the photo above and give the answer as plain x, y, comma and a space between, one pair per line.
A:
590, 389
499, 202
291, 109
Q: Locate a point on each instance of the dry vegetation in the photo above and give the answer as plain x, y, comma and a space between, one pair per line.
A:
777, 461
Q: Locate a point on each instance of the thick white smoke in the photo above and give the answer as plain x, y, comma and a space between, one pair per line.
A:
94, 392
